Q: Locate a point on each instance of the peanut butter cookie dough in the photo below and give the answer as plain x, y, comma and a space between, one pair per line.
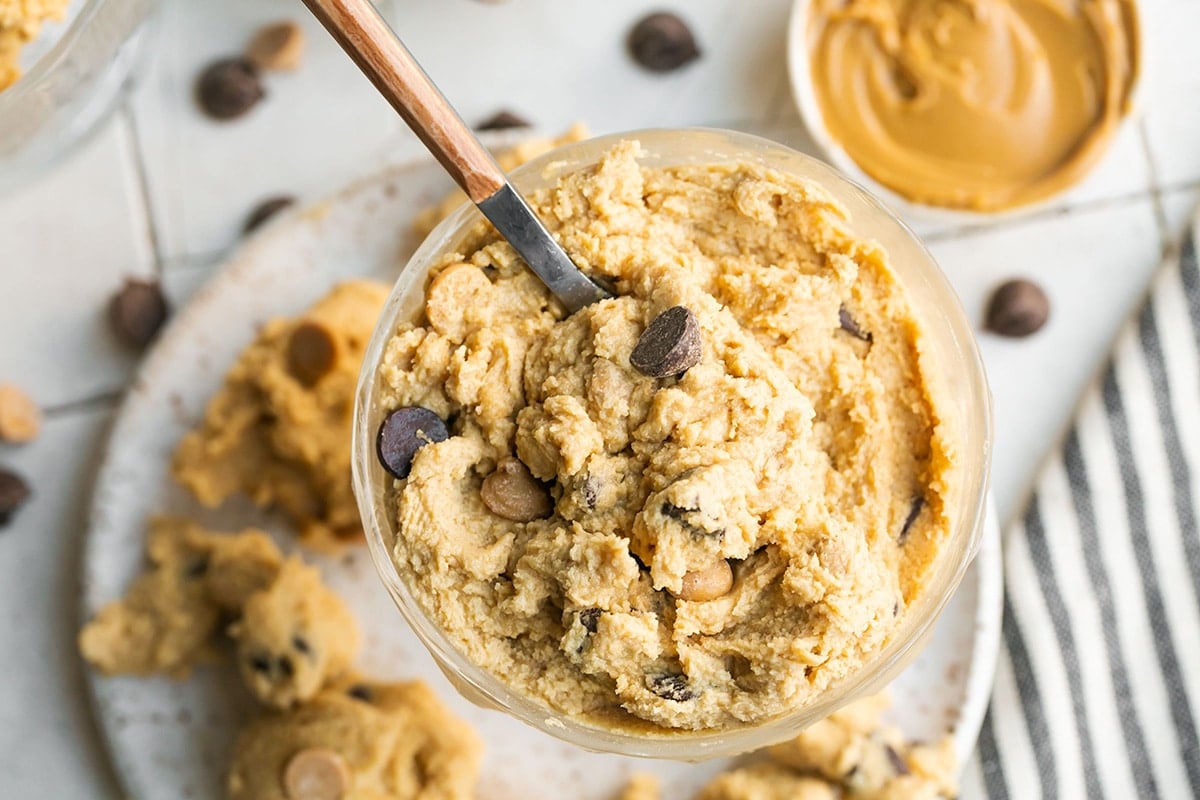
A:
20, 23
279, 430
166, 621
721, 546
358, 740
975, 104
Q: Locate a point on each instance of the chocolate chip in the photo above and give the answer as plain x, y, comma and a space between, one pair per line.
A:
672, 687
898, 763
261, 663
850, 325
702, 585
503, 120
278, 46
263, 212
589, 618
360, 691
137, 312
317, 773
1017, 308
196, 568
670, 345
228, 88
513, 493
301, 645
662, 42
910, 520
20, 417
590, 491
312, 352
14, 491
286, 668
697, 532
404, 432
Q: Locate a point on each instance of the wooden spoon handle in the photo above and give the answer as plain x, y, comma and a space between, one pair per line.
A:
383, 58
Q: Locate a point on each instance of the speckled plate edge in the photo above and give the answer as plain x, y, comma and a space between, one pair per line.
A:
114, 543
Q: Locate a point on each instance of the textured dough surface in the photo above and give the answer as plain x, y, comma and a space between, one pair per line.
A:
807, 457
166, 621
397, 739
20, 23
282, 442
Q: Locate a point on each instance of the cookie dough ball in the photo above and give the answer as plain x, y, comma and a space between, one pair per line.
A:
294, 637
279, 430
358, 740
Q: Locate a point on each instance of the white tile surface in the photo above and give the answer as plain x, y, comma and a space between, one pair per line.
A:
48, 743
1171, 88
66, 243
1178, 208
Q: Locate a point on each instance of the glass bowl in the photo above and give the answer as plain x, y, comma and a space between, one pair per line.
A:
958, 380
71, 86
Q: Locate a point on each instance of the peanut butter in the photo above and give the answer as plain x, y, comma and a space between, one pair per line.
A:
974, 104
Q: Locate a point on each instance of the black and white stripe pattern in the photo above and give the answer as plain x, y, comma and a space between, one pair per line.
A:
1097, 690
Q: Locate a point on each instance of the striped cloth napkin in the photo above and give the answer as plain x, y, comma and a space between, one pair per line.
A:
1097, 690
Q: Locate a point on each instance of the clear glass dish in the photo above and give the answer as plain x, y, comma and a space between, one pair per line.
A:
959, 382
73, 79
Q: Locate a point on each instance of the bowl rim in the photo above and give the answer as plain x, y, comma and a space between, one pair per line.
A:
799, 69
484, 687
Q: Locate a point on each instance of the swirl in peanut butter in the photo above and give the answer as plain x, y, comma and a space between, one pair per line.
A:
974, 104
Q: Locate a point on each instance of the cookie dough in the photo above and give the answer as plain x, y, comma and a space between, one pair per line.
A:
279, 430
293, 637
367, 740
975, 104
20, 23
166, 621
798, 471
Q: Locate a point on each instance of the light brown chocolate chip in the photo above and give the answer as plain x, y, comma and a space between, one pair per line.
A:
707, 584
312, 352
20, 418
455, 289
316, 773
511, 492
279, 46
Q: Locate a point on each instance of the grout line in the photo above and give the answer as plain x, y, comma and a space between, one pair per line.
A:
102, 400
138, 157
1156, 191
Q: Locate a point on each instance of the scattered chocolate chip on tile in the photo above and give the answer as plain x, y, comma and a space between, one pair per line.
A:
404, 432
278, 46
228, 88
513, 493
265, 210
312, 353
850, 325
670, 345
672, 687
137, 312
662, 42
503, 120
14, 491
20, 417
1017, 308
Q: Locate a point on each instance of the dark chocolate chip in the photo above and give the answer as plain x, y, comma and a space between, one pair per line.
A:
261, 663
589, 618
265, 210
228, 88
1017, 308
301, 645
360, 691
197, 568
680, 514
14, 491
503, 120
897, 762
913, 513
670, 345
286, 668
850, 325
589, 493
404, 432
137, 312
662, 42
672, 687
312, 352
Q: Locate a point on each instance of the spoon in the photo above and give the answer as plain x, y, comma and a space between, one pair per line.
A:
373, 45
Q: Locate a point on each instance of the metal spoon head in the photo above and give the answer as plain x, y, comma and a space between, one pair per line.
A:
516, 222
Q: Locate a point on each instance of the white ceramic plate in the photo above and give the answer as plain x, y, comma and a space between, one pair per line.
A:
172, 739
